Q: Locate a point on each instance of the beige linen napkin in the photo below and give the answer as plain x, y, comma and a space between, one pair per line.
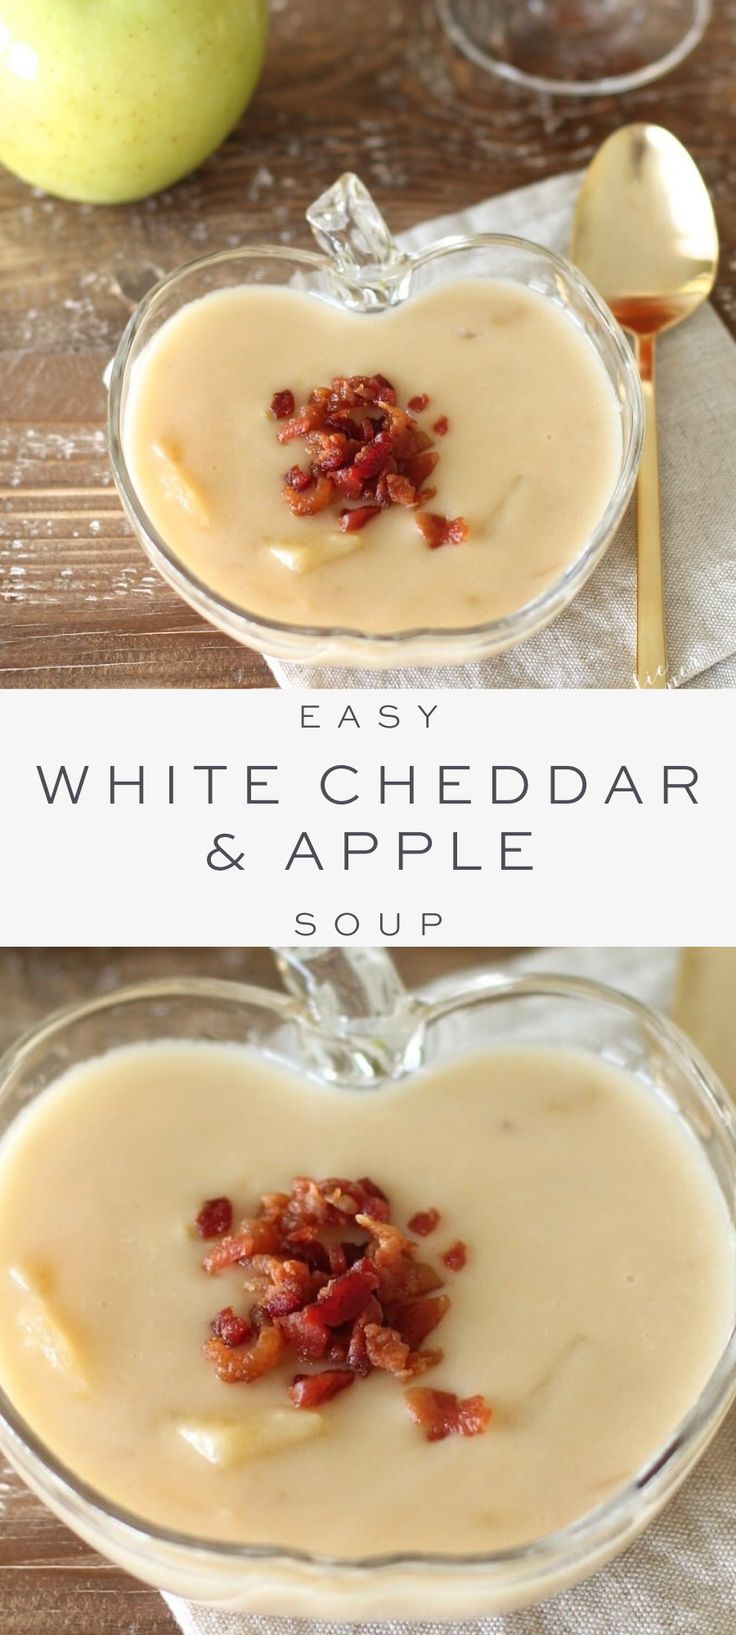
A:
593, 642
679, 1578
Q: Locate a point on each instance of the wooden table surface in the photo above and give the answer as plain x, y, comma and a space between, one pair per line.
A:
51, 1583
380, 91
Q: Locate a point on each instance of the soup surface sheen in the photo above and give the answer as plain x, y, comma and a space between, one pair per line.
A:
595, 1301
530, 459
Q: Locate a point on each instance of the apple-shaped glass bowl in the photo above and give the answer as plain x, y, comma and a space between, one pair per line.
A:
348, 1021
361, 269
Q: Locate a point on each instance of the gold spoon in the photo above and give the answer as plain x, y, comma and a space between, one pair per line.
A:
645, 235
704, 1006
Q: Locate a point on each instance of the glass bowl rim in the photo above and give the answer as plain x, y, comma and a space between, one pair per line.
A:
566, 1547
500, 633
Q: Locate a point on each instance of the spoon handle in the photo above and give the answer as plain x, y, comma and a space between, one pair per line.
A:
651, 643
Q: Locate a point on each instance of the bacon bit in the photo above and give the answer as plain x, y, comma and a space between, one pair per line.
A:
439, 530
423, 442
351, 521
311, 1390
420, 1361
344, 1297
400, 490
425, 1279
306, 1207
337, 1351
442, 1413
243, 1367
456, 1256
377, 389
316, 1255
401, 1275
372, 457
391, 1243
308, 505
299, 479
306, 1332
424, 1222
272, 1206
282, 405
288, 1284
253, 1238
215, 1218
374, 1192
352, 1304
337, 1259
348, 482
416, 1321
376, 456
331, 450
317, 1204
420, 467
441, 426
232, 1329
343, 421
309, 419
348, 1198
357, 1356
385, 1348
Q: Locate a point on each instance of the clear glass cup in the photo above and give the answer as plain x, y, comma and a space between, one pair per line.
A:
576, 47
362, 268
326, 1026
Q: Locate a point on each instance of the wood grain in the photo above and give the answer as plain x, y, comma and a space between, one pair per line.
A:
51, 1583
380, 91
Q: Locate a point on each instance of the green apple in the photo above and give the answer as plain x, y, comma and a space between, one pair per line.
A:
109, 100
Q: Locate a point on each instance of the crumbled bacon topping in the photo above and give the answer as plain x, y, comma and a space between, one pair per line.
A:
439, 530
282, 405
338, 1286
299, 479
362, 447
311, 1390
343, 1298
417, 1319
456, 1256
232, 1329
442, 1413
257, 1237
351, 521
424, 1222
215, 1218
245, 1365
309, 499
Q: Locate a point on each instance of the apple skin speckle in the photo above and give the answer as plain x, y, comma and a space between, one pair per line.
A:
110, 102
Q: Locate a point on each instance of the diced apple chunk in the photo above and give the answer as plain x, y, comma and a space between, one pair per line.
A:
227, 1442
46, 1331
180, 484
301, 558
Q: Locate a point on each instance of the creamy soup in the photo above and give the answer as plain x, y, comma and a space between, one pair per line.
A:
595, 1300
529, 459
